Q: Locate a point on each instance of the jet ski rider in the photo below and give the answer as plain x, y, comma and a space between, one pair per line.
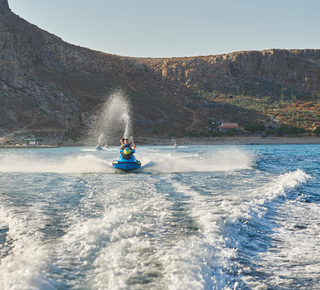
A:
126, 144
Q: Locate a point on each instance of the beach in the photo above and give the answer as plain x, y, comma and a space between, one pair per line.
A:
225, 140
235, 140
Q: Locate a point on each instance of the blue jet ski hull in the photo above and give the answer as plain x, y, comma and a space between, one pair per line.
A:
126, 165
126, 162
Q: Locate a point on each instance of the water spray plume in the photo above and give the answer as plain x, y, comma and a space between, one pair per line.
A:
113, 119
101, 138
126, 119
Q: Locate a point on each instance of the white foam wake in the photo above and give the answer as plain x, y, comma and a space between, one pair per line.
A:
219, 160
213, 213
29, 162
22, 268
295, 251
280, 186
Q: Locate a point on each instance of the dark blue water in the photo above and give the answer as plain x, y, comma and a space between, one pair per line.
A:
194, 217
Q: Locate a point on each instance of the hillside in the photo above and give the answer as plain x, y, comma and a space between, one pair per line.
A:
49, 85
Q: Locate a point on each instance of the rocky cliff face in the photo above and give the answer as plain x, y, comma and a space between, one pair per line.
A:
47, 84
299, 69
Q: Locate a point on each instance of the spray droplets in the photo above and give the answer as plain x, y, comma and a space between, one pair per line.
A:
113, 119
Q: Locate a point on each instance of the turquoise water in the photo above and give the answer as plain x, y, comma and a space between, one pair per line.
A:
194, 217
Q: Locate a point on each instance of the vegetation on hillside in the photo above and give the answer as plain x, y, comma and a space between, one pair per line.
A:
263, 103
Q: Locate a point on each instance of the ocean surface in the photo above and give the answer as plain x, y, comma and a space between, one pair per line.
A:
194, 217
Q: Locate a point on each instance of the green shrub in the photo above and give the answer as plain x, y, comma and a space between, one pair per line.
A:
283, 130
193, 134
255, 127
317, 131
216, 134
204, 134
230, 133
286, 130
270, 132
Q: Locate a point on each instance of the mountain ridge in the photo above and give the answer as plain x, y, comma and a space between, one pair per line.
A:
51, 85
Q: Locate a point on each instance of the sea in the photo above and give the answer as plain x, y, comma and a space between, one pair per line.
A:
193, 217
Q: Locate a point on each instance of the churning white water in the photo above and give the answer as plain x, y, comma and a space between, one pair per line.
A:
197, 217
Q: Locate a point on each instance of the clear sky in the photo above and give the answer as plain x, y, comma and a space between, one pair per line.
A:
171, 28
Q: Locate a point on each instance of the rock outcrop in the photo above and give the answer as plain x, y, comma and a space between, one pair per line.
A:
299, 69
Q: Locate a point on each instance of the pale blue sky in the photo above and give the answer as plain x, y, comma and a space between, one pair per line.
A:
170, 28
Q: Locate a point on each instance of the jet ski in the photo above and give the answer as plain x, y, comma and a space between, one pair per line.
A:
99, 147
126, 161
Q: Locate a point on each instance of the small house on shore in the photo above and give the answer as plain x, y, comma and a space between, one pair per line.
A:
224, 127
32, 141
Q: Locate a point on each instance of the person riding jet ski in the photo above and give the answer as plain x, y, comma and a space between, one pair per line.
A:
127, 145
126, 161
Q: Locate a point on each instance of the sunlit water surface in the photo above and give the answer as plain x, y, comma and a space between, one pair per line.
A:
194, 217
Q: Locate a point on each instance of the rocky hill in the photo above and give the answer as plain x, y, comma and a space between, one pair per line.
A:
50, 85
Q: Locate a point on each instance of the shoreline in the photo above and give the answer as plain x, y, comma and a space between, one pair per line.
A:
27, 146
153, 141
251, 140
